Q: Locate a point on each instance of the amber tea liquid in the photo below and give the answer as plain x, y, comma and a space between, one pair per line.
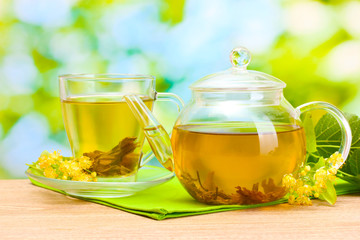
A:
228, 164
100, 124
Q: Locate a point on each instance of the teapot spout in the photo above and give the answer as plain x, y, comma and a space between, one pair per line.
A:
155, 133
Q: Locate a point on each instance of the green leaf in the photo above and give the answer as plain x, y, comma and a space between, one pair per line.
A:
309, 133
35, 170
328, 137
312, 158
350, 171
328, 134
319, 164
353, 163
351, 179
330, 194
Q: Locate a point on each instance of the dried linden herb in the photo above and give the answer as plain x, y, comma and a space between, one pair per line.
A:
120, 160
208, 192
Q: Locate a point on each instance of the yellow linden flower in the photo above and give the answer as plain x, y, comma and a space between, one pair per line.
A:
85, 162
335, 159
44, 161
303, 200
44, 164
42, 158
307, 183
74, 169
82, 177
332, 178
316, 189
63, 166
289, 181
320, 174
291, 199
307, 190
299, 183
50, 172
333, 171
320, 184
300, 191
55, 155
56, 166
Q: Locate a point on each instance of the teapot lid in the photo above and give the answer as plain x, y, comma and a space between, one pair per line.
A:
238, 78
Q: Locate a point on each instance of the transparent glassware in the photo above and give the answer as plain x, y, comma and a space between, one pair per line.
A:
99, 123
237, 137
146, 177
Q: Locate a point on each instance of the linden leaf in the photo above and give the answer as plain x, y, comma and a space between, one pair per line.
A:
354, 163
321, 163
309, 133
328, 137
35, 170
328, 134
330, 194
350, 171
351, 179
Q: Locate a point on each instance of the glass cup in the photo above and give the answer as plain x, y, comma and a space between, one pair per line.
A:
99, 123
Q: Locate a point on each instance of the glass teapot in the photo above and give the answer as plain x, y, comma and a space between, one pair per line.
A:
238, 136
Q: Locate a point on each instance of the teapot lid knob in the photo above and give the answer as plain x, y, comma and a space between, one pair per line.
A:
240, 57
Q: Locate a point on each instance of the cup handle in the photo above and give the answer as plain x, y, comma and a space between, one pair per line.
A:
162, 97
346, 136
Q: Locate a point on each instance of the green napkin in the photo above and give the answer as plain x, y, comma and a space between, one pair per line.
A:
170, 200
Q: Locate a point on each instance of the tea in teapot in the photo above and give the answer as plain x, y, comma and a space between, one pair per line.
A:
213, 160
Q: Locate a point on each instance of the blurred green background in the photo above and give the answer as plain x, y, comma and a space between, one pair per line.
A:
313, 46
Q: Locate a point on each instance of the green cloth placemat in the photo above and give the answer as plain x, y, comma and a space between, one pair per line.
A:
170, 200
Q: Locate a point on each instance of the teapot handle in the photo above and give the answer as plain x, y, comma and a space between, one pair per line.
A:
155, 133
346, 136
170, 97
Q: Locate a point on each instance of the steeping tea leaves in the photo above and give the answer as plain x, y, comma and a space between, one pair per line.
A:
228, 164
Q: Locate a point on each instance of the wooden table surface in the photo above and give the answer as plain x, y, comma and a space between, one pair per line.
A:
30, 212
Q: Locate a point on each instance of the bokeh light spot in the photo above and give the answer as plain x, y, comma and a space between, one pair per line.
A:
19, 74
343, 62
351, 17
43, 12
